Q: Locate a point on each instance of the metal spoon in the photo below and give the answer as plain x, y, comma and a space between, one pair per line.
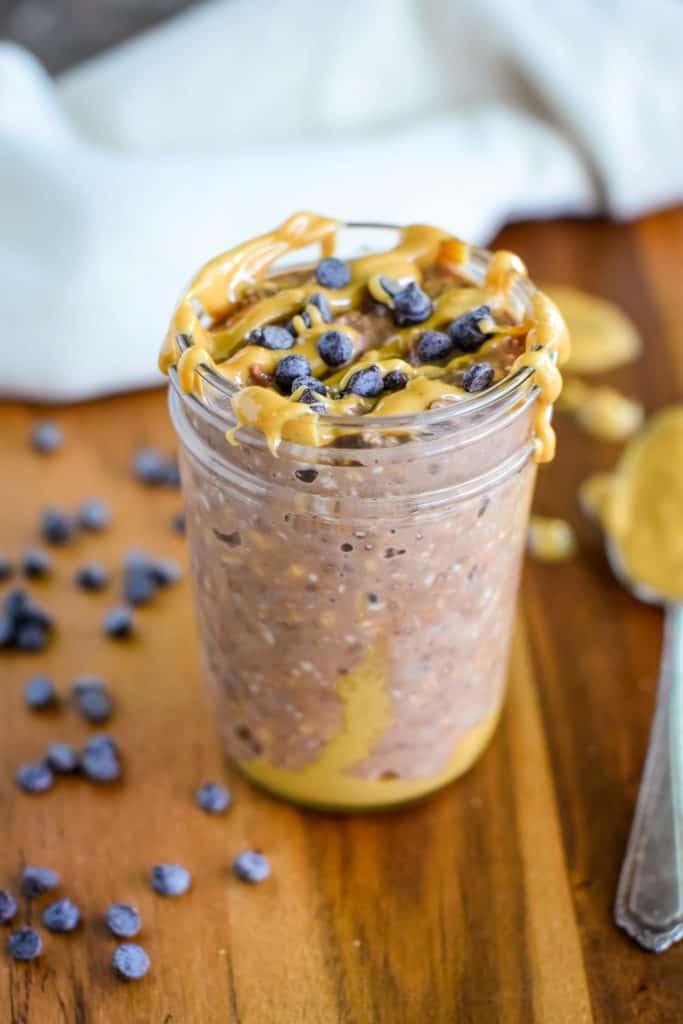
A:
649, 902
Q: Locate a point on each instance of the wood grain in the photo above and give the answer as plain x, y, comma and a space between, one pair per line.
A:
490, 902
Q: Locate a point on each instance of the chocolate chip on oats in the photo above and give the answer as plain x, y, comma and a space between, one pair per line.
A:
333, 273
272, 337
466, 333
335, 348
433, 346
323, 306
367, 383
287, 371
395, 380
477, 377
411, 305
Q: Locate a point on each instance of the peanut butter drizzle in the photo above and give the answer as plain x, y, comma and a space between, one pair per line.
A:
224, 283
641, 505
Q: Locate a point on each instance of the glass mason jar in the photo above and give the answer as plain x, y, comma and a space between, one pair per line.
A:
355, 603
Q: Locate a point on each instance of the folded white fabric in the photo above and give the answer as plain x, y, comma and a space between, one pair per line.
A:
117, 181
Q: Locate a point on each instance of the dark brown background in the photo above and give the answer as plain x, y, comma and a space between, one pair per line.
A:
489, 903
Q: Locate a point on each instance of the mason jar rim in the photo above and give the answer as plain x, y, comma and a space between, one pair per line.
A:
501, 393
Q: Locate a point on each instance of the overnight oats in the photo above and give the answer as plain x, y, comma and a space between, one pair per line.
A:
359, 435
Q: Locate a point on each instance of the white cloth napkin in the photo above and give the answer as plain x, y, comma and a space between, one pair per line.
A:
120, 179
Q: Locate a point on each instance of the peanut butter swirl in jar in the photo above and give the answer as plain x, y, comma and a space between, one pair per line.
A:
360, 427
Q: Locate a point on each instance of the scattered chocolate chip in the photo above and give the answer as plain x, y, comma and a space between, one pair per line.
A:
118, 622
8, 906
213, 798
24, 944
36, 563
93, 515
130, 961
40, 693
35, 881
123, 920
56, 526
34, 778
62, 916
61, 758
31, 637
251, 866
346, 546
92, 576
165, 572
100, 760
6, 568
150, 466
46, 437
139, 585
170, 879
92, 700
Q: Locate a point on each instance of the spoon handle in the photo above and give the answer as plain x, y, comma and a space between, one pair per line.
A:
649, 903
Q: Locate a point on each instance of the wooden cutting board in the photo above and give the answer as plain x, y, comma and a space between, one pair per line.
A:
490, 902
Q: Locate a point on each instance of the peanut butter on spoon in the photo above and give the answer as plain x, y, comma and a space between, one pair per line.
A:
423, 295
641, 509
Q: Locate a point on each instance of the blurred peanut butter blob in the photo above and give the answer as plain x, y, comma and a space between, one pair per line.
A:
550, 539
601, 411
641, 507
603, 337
